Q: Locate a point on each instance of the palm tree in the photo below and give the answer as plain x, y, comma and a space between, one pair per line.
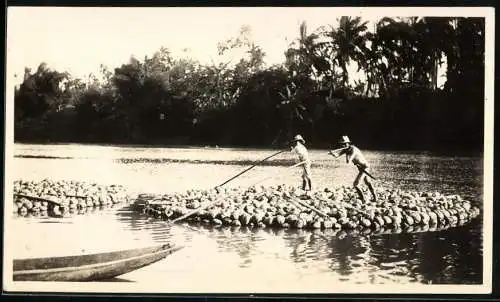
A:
435, 38
465, 56
382, 56
395, 42
348, 43
305, 64
291, 107
302, 55
401, 54
413, 48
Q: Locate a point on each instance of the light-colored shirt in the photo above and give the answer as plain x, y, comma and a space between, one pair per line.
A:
301, 151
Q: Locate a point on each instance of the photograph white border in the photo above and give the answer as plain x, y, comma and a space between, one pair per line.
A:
317, 287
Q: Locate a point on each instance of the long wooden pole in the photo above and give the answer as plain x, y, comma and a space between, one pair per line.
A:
346, 205
311, 208
211, 203
367, 173
192, 212
296, 165
334, 152
38, 198
250, 168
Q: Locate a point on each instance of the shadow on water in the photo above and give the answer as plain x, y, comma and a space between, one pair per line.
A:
57, 222
160, 231
242, 162
149, 160
116, 279
442, 257
43, 157
452, 256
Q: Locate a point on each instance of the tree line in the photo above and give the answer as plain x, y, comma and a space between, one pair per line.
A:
163, 99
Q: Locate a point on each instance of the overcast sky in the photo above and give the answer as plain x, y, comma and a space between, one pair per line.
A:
78, 40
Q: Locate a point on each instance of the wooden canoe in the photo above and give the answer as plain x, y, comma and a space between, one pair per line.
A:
91, 267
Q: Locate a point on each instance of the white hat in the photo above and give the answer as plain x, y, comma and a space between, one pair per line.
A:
345, 140
299, 138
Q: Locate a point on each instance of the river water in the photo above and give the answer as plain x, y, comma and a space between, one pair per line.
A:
223, 259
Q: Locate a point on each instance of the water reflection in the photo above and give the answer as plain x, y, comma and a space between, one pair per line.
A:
116, 279
159, 230
445, 257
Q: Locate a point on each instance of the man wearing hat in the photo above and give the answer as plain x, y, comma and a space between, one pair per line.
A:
298, 147
354, 155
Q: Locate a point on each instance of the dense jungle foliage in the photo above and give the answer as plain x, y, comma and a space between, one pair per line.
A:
177, 101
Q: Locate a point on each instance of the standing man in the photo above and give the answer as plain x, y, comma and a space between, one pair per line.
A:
354, 155
298, 147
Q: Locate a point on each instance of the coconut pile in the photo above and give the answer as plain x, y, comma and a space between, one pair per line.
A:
56, 198
287, 207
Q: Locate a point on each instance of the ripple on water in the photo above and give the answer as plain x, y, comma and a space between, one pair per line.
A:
239, 255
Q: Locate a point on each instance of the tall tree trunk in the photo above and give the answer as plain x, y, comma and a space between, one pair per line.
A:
345, 77
435, 68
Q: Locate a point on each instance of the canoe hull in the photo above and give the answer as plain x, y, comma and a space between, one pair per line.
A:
91, 271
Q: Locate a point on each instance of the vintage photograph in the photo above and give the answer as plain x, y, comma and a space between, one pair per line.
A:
249, 150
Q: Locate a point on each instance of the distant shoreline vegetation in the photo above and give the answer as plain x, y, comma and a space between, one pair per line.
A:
164, 100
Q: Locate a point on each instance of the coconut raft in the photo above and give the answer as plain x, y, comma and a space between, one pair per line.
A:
286, 207
62, 198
